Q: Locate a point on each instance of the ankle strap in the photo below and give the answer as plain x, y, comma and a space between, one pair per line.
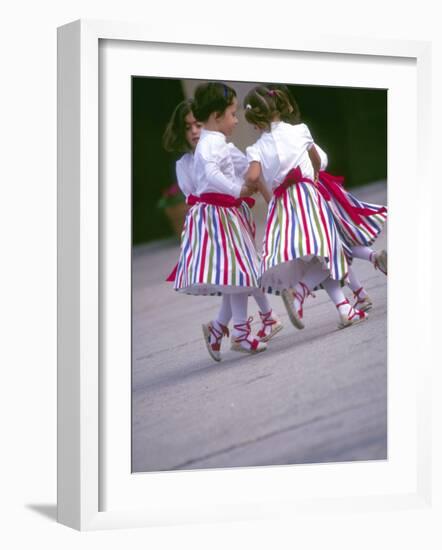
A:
343, 303
246, 329
218, 334
266, 318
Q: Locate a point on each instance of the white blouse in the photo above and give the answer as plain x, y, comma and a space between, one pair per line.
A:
282, 148
217, 167
184, 174
323, 156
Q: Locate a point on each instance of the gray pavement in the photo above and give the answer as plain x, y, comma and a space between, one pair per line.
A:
316, 395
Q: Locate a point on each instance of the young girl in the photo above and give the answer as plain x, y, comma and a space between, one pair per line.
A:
359, 223
182, 135
218, 254
302, 245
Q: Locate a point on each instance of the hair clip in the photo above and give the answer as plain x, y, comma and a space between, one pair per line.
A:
248, 106
226, 93
271, 93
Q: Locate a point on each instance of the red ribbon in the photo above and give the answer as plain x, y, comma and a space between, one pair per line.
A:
329, 186
219, 199
333, 186
292, 178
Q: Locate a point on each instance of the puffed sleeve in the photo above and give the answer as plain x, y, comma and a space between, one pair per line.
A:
239, 160
323, 156
184, 175
306, 135
253, 153
214, 175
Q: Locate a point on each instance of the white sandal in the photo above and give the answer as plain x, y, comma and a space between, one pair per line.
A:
214, 348
295, 315
353, 317
380, 261
362, 304
268, 320
253, 345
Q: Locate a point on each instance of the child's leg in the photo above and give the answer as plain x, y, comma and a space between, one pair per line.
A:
378, 259
215, 330
262, 301
271, 325
362, 252
241, 326
347, 313
353, 282
363, 301
312, 278
225, 311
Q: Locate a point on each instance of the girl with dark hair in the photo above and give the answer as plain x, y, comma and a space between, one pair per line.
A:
182, 134
302, 244
359, 223
218, 254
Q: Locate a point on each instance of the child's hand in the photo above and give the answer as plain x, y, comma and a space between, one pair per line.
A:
247, 190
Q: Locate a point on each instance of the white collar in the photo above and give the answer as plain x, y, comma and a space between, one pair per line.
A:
275, 124
212, 132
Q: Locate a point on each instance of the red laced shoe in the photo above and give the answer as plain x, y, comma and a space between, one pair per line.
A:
213, 337
353, 316
243, 343
362, 304
380, 261
271, 325
295, 315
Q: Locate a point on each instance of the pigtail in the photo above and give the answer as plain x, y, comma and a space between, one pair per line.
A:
292, 115
259, 107
282, 104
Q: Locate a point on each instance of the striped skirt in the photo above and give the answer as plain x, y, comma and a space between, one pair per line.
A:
300, 226
361, 230
218, 253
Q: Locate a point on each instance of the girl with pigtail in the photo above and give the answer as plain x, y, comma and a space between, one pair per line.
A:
359, 223
218, 254
302, 244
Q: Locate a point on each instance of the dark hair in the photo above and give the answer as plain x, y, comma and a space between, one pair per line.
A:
295, 116
174, 137
212, 97
262, 104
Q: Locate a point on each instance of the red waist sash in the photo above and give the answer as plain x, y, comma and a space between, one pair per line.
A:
292, 178
333, 186
219, 199
215, 199
330, 187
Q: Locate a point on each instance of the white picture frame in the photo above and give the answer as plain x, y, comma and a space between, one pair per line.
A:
80, 294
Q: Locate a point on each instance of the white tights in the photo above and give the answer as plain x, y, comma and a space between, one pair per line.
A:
235, 305
314, 276
362, 252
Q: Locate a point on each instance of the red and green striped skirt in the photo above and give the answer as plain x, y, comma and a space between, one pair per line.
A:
218, 253
300, 226
359, 222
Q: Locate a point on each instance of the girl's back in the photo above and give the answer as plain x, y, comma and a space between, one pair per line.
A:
279, 150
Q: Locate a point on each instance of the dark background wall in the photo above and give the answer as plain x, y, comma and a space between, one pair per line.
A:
153, 170
350, 124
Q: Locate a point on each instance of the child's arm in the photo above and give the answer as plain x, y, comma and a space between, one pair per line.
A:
315, 160
252, 180
219, 181
264, 191
323, 156
184, 181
